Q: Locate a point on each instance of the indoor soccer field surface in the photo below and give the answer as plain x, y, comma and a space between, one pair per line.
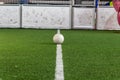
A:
30, 54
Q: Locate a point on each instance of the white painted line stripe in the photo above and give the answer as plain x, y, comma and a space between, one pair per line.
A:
59, 72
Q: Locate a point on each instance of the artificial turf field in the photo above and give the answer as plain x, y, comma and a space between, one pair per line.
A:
27, 54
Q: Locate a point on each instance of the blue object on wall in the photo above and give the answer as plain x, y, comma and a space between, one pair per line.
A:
107, 4
24, 1
96, 3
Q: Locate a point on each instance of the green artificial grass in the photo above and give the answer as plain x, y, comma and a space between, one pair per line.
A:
91, 55
27, 54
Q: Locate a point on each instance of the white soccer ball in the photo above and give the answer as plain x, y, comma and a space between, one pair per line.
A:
58, 38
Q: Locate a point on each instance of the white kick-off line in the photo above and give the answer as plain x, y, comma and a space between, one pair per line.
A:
59, 72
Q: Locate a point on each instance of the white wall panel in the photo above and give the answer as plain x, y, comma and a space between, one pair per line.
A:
84, 18
107, 19
46, 17
9, 17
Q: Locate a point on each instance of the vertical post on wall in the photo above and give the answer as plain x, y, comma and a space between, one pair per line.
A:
21, 6
96, 2
20, 15
71, 14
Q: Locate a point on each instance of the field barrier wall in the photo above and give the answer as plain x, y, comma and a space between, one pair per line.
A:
57, 17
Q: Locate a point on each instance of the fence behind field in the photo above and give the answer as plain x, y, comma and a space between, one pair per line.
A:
73, 2
35, 1
9, 1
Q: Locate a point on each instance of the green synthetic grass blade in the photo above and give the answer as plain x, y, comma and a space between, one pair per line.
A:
27, 54
91, 55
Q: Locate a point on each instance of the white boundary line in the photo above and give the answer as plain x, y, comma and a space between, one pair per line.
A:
59, 72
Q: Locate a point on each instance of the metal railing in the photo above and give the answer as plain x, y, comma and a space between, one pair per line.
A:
73, 2
9, 1
35, 1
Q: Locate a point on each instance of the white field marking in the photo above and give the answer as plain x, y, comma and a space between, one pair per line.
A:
59, 72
